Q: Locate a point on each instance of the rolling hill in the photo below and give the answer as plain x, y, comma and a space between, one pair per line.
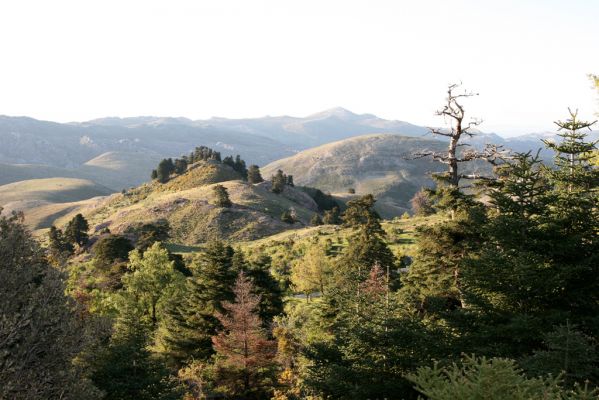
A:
186, 204
377, 164
43, 200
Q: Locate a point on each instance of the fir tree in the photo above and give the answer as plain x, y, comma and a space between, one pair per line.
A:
189, 321
126, 369
279, 180
40, 333
76, 230
245, 357
254, 175
59, 247
180, 165
222, 196
164, 170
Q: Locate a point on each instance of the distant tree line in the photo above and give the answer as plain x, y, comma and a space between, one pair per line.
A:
167, 166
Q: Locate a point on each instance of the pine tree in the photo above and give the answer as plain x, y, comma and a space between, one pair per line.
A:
492, 379
279, 180
245, 357
154, 174
264, 285
290, 180
539, 259
222, 196
76, 230
254, 175
112, 248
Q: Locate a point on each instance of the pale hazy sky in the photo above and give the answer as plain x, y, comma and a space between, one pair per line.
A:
78, 60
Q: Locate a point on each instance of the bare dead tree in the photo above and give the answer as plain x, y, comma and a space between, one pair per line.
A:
459, 128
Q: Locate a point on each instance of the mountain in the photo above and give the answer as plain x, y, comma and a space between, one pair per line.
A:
118, 153
378, 164
186, 204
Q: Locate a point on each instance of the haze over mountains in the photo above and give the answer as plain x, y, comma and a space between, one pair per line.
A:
118, 153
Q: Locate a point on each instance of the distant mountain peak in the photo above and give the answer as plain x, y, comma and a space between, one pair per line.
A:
339, 112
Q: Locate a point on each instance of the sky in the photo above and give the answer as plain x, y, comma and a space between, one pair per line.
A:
83, 59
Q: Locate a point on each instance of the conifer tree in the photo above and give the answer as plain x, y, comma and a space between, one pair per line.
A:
76, 230
288, 216
245, 357
180, 165
316, 220
58, 245
240, 167
279, 180
372, 347
221, 196
254, 175
367, 244
264, 284
332, 216
164, 170
40, 333
154, 174
125, 369
189, 321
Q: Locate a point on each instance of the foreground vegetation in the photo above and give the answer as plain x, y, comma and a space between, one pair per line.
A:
468, 299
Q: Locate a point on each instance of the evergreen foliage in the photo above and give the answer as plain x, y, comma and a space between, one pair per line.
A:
332, 216
76, 231
125, 369
244, 355
40, 333
254, 175
279, 180
112, 248
189, 321
221, 196
316, 220
494, 378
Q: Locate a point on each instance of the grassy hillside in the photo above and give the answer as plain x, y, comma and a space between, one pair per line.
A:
115, 170
42, 200
50, 190
375, 164
10, 173
186, 203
